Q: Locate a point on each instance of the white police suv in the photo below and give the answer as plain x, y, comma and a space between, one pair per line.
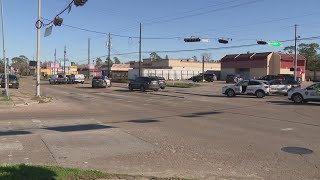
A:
258, 88
300, 95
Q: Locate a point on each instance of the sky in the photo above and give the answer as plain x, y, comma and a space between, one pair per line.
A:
241, 21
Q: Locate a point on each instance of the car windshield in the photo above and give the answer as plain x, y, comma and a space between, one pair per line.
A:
160, 89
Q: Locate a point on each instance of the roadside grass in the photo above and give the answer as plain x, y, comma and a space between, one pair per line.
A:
37, 172
181, 85
4, 98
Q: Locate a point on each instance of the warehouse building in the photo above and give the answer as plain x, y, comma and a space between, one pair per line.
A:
177, 69
255, 65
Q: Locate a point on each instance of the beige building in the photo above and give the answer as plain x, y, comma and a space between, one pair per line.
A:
176, 64
172, 69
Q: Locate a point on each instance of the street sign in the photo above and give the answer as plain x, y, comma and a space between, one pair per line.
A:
275, 44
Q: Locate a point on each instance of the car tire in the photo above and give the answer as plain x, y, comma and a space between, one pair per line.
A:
297, 98
230, 93
50, 82
82, 82
162, 87
156, 90
142, 89
93, 86
130, 88
260, 94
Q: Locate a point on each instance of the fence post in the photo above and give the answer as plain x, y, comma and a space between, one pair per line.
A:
162, 73
181, 75
155, 72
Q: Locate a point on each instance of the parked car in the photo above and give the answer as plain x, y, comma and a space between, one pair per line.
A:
77, 78
272, 77
300, 95
13, 81
290, 77
207, 77
279, 87
101, 82
144, 83
58, 79
53, 79
247, 87
162, 81
68, 79
233, 78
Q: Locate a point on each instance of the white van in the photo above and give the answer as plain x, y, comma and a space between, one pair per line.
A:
77, 78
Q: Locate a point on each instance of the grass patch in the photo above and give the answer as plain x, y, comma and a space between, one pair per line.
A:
28, 172
181, 85
4, 98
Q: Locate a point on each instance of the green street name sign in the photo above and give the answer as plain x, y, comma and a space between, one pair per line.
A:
275, 44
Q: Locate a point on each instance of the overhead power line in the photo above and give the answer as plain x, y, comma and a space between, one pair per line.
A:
203, 13
205, 49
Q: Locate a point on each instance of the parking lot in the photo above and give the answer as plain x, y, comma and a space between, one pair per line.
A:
186, 132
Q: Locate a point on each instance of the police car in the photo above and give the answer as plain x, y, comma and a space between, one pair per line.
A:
300, 95
247, 87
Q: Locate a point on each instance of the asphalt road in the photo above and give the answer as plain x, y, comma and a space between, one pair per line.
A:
195, 133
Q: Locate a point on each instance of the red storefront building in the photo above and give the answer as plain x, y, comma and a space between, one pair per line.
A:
255, 65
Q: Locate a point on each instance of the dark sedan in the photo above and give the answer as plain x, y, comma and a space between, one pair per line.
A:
144, 83
13, 81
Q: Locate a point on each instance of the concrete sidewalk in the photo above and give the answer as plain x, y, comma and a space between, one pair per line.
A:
23, 96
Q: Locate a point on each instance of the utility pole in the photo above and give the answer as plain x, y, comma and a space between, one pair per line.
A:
295, 52
109, 47
38, 48
88, 58
55, 61
64, 60
140, 43
202, 68
4, 53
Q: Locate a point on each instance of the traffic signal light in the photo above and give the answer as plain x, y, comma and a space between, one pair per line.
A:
262, 42
57, 21
223, 41
192, 39
79, 2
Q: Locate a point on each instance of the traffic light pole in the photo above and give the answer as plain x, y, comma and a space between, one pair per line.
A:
140, 43
202, 68
64, 60
4, 53
109, 48
295, 52
38, 48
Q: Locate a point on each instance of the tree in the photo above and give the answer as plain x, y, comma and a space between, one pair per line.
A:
289, 49
73, 64
98, 62
167, 57
310, 52
106, 62
154, 56
195, 58
207, 56
116, 60
1, 66
20, 64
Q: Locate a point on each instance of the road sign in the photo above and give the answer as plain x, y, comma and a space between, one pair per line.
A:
275, 44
